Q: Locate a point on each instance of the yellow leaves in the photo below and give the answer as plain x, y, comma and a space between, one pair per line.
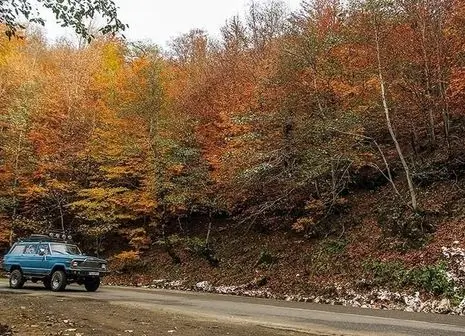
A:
34, 190
127, 256
48, 188
144, 205
57, 185
303, 224
315, 206
138, 239
125, 260
110, 74
100, 194
115, 172
342, 89
8, 47
176, 169
101, 204
5, 226
372, 83
112, 57
113, 205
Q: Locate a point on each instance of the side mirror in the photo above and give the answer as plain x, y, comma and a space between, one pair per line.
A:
41, 252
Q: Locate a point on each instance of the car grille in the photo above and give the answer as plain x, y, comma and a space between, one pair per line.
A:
90, 264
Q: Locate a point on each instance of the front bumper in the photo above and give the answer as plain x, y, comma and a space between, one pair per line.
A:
87, 272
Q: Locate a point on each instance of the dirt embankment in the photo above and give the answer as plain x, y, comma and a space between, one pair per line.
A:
366, 255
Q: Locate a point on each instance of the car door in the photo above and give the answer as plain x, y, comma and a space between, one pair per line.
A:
43, 264
30, 259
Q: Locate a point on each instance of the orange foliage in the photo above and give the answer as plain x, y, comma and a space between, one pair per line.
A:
113, 136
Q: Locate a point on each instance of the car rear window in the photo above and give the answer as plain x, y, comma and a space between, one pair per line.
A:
18, 249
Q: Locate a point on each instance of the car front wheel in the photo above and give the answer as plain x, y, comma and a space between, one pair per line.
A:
58, 281
16, 279
92, 284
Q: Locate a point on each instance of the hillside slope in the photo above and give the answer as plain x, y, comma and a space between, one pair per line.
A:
365, 257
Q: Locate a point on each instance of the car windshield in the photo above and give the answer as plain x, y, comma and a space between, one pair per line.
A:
65, 249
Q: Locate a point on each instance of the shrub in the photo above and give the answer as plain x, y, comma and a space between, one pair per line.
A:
199, 247
265, 258
127, 261
167, 244
334, 246
139, 239
411, 226
432, 278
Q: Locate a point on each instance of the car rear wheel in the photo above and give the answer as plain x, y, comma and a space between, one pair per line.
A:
58, 281
16, 279
92, 284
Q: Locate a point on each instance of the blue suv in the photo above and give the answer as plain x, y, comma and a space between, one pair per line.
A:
53, 261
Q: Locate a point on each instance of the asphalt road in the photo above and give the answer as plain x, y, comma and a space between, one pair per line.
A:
305, 317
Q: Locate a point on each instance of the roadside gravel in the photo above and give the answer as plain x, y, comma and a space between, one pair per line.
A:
28, 315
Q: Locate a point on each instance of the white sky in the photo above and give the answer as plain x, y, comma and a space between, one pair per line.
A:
159, 21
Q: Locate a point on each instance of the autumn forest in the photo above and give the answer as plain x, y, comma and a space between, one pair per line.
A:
275, 123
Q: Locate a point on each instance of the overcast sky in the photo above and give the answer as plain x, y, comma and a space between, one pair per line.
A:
160, 21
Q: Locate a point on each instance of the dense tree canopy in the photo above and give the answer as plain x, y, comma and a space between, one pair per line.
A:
283, 117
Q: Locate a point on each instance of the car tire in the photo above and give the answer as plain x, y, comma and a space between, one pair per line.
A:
16, 279
47, 283
92, 284
58, 281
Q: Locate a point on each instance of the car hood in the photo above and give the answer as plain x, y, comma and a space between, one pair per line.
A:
81, 257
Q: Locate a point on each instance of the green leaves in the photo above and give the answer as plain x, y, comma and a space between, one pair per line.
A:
102, 205
68, 13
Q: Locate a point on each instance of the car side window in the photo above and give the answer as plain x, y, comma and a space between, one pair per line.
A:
45, 248
18, 249
30, 249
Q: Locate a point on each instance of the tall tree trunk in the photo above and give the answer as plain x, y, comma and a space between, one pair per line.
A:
207, 239
62, 219
389, 124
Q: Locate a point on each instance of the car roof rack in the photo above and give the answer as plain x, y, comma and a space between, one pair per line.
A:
40, 238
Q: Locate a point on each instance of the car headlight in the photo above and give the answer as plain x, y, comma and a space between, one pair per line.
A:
74, 264
104, 266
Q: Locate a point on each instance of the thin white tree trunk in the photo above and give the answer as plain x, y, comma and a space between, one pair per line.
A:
389, 125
